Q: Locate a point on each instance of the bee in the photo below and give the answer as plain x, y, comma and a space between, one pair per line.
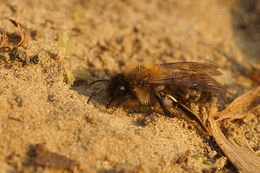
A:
168, 84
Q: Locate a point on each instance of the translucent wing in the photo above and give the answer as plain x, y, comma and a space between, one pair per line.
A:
198, 67
192, 75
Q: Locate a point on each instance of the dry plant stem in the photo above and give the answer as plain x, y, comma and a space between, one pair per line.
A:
23, 31
240, 106
25, 35
242, 158
3, 39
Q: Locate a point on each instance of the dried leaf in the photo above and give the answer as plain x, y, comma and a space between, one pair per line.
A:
242, 158
3, 39
24, 33
240, 106
50, 159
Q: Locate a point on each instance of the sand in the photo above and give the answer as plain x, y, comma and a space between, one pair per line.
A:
44, 93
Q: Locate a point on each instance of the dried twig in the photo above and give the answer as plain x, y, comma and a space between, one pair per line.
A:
241, 157
3, 39
5, 42
240, 106
23, 31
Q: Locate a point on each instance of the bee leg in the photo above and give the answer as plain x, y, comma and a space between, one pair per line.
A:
165, 110
109, 101
121, 100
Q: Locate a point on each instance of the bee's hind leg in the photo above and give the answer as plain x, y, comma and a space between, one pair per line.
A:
165, 110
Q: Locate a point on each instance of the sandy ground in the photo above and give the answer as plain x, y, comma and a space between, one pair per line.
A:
43, 90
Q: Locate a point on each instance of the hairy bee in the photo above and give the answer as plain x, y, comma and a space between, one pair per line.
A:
166, 84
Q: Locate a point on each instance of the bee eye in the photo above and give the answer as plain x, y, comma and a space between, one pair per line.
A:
122, 88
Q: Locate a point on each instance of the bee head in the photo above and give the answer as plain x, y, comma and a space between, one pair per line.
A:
118, 89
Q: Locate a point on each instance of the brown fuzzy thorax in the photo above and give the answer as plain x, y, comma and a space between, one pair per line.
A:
137, 76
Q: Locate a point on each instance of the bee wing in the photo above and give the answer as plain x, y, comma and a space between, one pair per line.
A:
197, 76
198, 67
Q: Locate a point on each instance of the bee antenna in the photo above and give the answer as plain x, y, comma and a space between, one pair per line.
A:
94, 93
101, 80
